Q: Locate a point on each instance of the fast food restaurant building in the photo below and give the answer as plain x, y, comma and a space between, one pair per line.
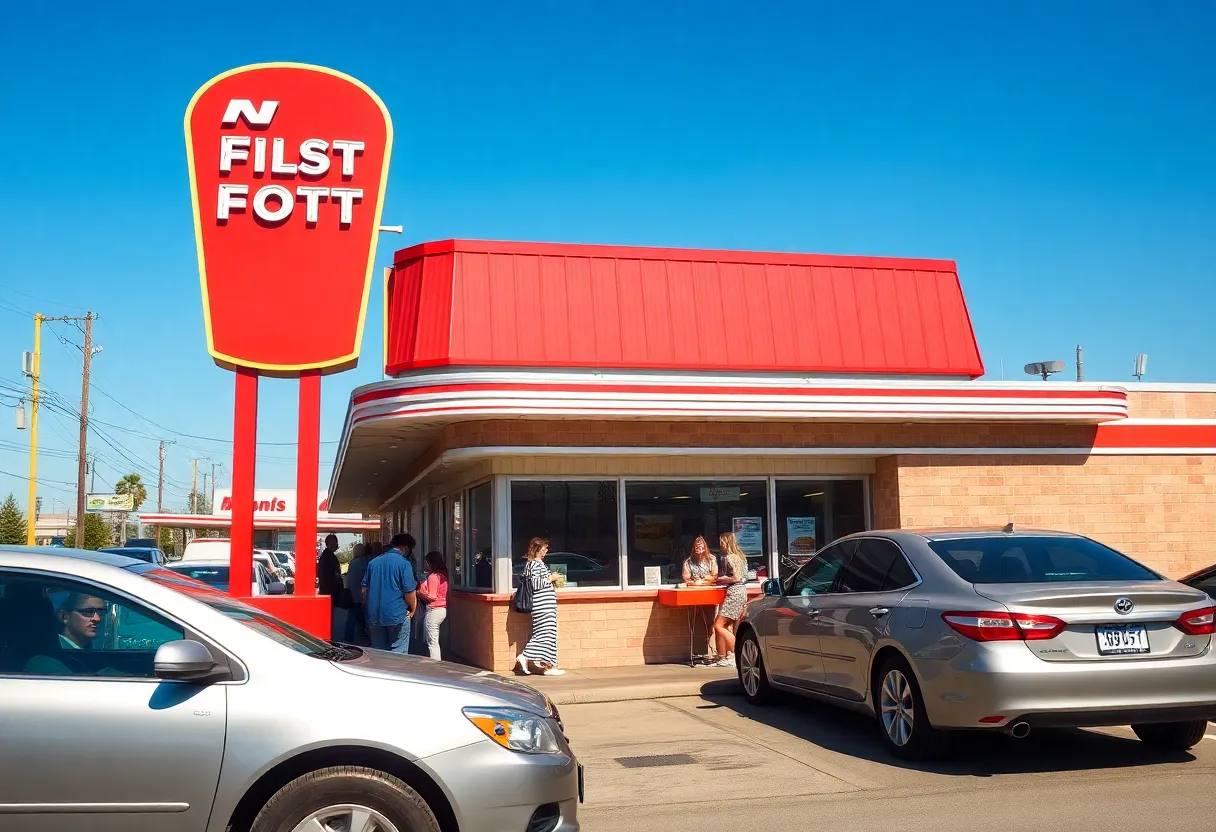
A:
621, 401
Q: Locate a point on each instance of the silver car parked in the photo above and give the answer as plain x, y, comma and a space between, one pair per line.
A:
987, 630
133, 698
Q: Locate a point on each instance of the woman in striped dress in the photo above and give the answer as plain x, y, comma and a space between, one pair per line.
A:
541, 648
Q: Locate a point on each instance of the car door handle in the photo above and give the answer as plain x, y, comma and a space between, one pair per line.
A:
878, 612
812, 613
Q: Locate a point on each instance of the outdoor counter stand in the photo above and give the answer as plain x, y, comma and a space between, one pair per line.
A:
694, 598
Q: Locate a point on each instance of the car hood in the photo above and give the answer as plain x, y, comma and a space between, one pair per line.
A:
380, 664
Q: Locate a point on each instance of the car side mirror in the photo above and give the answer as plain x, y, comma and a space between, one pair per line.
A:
772, 588
276, 588
185, 661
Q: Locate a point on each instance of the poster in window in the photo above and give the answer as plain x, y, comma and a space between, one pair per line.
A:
653, 533
801, 532
749, 534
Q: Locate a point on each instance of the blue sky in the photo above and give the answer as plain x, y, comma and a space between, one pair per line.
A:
1060, 152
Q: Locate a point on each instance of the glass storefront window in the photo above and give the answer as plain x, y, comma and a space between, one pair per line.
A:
479, 538
456, 540
662, 519
580, 520
813, 513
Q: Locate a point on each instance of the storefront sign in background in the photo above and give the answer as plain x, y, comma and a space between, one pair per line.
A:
801, 533
720, 494
109, 502
288, 166
653, 533
749, 533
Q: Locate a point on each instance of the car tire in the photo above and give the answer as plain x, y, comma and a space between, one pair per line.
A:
1172, 736
902, 721
343, 791
753, 678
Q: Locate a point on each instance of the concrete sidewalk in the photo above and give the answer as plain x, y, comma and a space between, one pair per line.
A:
621, 684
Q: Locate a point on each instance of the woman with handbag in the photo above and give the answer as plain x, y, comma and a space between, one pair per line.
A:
537, 593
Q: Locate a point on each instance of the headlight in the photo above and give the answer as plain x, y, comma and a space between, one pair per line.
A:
516, 730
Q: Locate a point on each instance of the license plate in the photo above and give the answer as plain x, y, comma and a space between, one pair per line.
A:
1121, 639
580, 782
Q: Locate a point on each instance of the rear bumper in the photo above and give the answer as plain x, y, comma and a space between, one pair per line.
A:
1005, 679
496, 790
1093, 719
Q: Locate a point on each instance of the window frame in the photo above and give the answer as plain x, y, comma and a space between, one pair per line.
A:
466, 502
238, 672
786, 587
768, 481
620, 522
861, 538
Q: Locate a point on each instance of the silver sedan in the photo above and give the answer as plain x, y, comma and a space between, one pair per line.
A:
996, 630
133, 698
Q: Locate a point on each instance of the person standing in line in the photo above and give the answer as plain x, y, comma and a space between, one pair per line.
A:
541, 648
390, 596
356, 624
733, 577
329, 580
434, 591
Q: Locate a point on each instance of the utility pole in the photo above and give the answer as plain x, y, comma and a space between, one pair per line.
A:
204, 492
92, 475
1080, 372
194, 486
212, 495
31, 513
82, 462
160, 483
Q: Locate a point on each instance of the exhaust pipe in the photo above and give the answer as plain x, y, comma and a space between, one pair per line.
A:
1019, 730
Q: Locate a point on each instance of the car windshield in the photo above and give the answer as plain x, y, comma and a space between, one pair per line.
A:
256, 620
137, 554
1017, 560
216, 576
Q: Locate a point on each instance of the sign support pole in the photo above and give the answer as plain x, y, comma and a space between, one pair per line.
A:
244, 464
308, 451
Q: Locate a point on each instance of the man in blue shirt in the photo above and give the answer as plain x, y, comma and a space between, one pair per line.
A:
389, 599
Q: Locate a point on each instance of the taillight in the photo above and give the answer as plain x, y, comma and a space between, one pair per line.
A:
1198, 622
1004, 626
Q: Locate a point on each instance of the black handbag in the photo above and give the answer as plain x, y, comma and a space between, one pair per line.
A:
523, 595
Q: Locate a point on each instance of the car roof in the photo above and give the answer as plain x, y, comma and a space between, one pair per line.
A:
116, 549
101, 556
968, 533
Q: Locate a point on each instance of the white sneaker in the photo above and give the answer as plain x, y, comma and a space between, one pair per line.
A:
554, 671
725, 661
522, 664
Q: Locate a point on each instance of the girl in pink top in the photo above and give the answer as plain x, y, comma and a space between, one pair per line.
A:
434, 590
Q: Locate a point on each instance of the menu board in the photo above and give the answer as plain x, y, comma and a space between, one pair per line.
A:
653, 533
801, 533
749, 533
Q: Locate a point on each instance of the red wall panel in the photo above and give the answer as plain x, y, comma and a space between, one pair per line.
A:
491, 304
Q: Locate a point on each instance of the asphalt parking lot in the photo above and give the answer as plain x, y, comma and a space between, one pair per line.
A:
694, 763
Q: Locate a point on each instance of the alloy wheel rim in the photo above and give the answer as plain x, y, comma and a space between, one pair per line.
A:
897, 708
749, 668
346, 817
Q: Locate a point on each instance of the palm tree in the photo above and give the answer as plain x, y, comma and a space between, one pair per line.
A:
132, 484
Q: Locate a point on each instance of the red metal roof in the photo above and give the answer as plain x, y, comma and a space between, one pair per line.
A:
493, 304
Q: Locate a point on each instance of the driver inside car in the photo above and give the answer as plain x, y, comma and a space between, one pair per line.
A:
79, 617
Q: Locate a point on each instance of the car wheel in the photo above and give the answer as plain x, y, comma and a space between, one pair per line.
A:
752, 675
901, 713
1173, 736
346, 799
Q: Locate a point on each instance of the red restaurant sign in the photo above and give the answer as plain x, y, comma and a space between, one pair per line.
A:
288, 166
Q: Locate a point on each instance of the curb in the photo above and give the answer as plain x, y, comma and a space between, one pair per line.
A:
631, 693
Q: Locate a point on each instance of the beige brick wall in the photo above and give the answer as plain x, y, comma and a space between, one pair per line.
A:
1163, 405
1161, 509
